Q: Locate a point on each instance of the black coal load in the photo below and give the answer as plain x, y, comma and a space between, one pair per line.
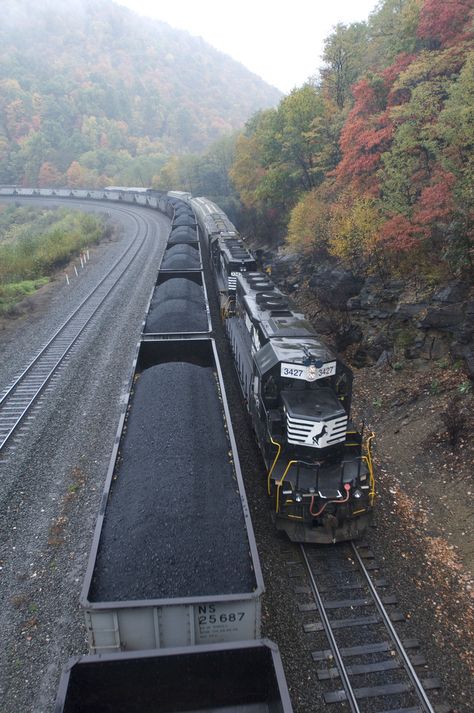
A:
184, 220
183, 208
181, 248
177, 306
183, 234
173, 526
181, 257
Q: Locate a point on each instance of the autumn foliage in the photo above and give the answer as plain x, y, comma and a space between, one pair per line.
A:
392, 159
445, 21
90, 92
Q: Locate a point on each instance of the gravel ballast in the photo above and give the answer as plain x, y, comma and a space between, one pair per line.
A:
174, 500
53, 476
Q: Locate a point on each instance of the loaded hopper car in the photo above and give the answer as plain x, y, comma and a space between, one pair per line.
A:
174, 560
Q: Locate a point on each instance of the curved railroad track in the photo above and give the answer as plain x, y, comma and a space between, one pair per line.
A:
376, 670
20, 396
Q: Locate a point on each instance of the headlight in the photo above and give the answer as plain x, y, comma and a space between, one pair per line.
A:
357, 493
299, 498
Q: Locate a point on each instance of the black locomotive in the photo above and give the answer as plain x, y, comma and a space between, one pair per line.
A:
298, 393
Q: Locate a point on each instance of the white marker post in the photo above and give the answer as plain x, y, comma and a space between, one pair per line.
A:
75, 270
67, 278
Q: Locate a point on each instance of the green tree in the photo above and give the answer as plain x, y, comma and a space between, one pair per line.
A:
345, 52
392, 29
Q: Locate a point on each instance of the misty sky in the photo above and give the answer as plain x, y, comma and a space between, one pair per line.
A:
281, 42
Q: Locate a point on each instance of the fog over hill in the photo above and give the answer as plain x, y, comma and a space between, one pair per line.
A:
90, 90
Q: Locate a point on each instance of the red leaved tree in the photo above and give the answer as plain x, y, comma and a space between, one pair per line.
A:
365, 136
444, 22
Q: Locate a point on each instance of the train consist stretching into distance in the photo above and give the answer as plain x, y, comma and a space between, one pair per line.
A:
140, 593
298, 392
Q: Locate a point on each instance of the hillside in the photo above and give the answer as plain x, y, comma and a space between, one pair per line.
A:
90, 91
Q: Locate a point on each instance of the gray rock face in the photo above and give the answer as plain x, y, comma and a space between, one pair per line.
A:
430, 329
334, 287
405, 311
455, 292
469, 357
444, 318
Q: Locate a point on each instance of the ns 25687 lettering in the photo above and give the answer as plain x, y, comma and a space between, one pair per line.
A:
209, 615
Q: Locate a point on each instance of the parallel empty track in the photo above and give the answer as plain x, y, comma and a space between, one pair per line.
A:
18, 399
375, 669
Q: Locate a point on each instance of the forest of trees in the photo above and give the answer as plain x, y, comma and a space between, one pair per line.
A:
372, 162
369, 163
92, 94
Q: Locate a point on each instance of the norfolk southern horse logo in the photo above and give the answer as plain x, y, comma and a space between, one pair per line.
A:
322, 433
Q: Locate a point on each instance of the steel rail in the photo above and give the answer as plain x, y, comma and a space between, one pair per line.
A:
346, 684
19, 398
408, 666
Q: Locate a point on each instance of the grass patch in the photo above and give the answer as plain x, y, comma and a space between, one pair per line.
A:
34, 243
14, 292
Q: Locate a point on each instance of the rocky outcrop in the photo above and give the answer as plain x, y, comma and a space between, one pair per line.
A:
333, 287
386, 321
439, 325
436, 326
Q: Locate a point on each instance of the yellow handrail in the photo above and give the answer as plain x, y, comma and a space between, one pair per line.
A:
278, 445
279, 483
370, 465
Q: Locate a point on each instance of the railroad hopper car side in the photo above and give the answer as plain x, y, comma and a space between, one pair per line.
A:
163, 570
246, 677
298, 394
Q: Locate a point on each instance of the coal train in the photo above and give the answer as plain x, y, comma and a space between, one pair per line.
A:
319, 472
298, 394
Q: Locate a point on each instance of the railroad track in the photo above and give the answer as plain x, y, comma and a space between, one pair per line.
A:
377, 672
18, 399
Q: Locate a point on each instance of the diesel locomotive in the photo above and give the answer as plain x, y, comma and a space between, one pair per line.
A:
298, 394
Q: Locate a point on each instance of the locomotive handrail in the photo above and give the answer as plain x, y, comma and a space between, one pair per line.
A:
368, 459
275, 443
279, 483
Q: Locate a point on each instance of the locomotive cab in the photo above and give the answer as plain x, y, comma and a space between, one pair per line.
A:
318, 475
230, 257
